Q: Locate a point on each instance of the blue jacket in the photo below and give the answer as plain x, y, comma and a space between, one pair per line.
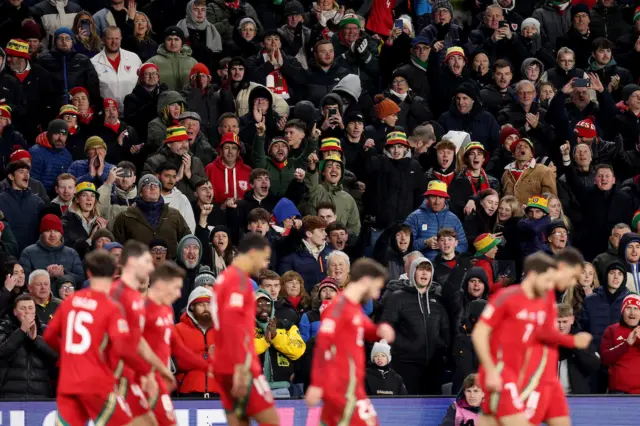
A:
425, 223
309, 324
39, 256
48, 163
598, 313
312, 271
533, 235
80, 169
22, 210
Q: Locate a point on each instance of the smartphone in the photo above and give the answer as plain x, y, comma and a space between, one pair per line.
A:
581, 82
125, 173
398, 24
86, 25
333, 111
503, 24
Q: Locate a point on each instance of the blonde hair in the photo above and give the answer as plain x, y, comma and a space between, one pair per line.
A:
95, 212
549, 196
575, 296
516, 207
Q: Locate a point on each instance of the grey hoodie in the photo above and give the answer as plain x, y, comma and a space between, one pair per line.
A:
412, 280
157, 129
525, 65
351, 85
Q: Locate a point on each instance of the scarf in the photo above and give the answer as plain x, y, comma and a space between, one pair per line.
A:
73, 130
294, 300
401, 96
213, 40
150, 210
86, 117
113, 127
516, 172
325, 16
126, 195
22, 75
561, 5
445, 176
478, 184
418, 63
315, 251
219, 264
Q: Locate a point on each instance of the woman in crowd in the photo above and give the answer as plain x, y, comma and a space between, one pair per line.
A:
587, 283
82, 220
219, 253
13, 283
140, 42
310, 321
87, 39
484, 218
292, 289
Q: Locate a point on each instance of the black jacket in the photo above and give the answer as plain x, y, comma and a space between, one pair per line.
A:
291, 71
462, 299
421, 324
383, 381
581, 46
451, 278
541, 136
414, 110
320, 83
628, 124
494, 100
418, 80
480, 124
206, 104
582, 365
464, 356
141, 107
446, 85
462, 191
29, 365
608, 22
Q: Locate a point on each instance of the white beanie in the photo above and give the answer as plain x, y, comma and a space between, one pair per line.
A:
530, 21
381, 347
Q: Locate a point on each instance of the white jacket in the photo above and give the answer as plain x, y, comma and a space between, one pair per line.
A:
180, 202
117, 84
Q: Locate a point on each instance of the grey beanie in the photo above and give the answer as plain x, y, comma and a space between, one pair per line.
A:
56, 127
442, 4
148, 179
190, 114
205, 277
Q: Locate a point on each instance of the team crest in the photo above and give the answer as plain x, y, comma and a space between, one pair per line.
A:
243, 185
514, 27
127, 68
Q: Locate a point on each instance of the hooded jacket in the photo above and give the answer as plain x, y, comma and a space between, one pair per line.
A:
368, 71
186, 185
48, 162
228, 182
22, 210
52, 14
383, 381
633, 274
553, 23
387, 252
198, 339
141, 107
174, 68
188, 283
224, 17
420, 320
462, 298
621, 359
39, 256
157, 129
460, 412
464, 355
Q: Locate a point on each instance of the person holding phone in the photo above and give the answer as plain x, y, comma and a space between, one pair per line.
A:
88, 41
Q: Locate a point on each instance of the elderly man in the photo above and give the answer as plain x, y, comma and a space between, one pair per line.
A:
533, 178
199, 146
174, 59
497, 36
40, 290
151, 218
50, 253
176, 151
189, 255
121, 139
117, 68
94, 168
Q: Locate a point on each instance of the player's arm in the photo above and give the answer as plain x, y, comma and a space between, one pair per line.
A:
147, 354
233, 336
323, 361
120, 338
185, 357
549, 334
374, 332
53, 332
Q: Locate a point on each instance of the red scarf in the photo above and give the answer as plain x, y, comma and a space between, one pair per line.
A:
294, 300
87, 116
22, 75
73, 130
445, 177
280, 166
478, 184
113, 127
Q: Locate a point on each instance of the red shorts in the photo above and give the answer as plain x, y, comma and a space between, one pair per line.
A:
547, 402
335, 412
77, 410
257, 400
161, 405
507, 401
135, 397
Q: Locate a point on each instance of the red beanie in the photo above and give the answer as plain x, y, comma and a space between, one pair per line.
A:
145, 67
79, 89
586, 129
51, 222
110, 102
19, 154
507, 131
199, 68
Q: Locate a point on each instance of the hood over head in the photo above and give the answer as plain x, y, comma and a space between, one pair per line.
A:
479, 273
285, 209
392, 238
619, 265
351, 85
473, 314
188, 239
529, 61
629, 237
414, 266
169, 97
335, 98
199, 294
260, 92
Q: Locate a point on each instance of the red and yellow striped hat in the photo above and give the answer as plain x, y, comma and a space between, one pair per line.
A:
330, 144
18, 48
5, 111
68, 109
176, 134
397, 138
538, 202
484, 243
437, 188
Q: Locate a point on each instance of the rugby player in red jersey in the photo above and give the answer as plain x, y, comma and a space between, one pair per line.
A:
137, 264
78, 331
165, 284
339, 363
244, 391
502, 336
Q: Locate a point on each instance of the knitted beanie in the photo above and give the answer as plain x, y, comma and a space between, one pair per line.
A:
94, 142
507, 131
176, 134
631, 300
205, 277
586, 129
199, 68
51, 222
531, 21
349, 18
19, 154
18, 48
68, 109
635, 221
384, 107
381, 347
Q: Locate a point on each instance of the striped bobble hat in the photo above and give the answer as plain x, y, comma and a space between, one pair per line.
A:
349, 18
330, 144
538, 202
635, 221
636, 14
176, 134
18, 48
397, 138
454, 51
437, 188
68, 109
484, 243
5, 111
475, 145
631, 300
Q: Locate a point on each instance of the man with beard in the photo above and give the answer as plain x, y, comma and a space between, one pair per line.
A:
176, 150
188, 258
36, 83
196, 331
49, 157
536, 178
117, 68
323, 73
167, 173
17, 200
498, 94
228, 173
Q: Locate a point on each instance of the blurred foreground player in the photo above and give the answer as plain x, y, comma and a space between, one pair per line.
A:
244, 391
137, 265
339, 362
502, 337
165, 288
78, 331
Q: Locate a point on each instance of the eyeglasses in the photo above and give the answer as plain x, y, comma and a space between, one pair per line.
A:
67, 288
158, 250
64, 39
560, 233
150, 74
398, 82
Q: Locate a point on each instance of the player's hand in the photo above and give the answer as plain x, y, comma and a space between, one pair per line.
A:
493, 381
241, 378
313, 396
149, 385
582, 340
386, 332
169, 379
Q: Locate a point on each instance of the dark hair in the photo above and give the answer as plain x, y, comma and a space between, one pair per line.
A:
258, 214
224, 62
320, 43
538, 262
297, 123
17, 165
600, 166
166, 271
65, 176
22, 298
257, 173
326, 205
127, 165
501, 63
167, 165
570, 256
201, 182
99, 264
133, 248
336, 226
469, 382
228, 115
367, 268
199, 3
268, 275
252, 241
602, 43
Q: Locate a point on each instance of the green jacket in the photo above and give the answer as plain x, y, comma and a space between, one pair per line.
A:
346, 208
174, 68
280, 179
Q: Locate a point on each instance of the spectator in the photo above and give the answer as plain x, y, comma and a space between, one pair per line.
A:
200, 34
141, 105
627, 118
475, 286
627, 46
498, 94
188, 257
203, 102
575, 366
579, 37
400, 242
443, 29
422, 331
29, 372
285, 314
158, 249
465, 359
296, 39
565, 69
620, 349
14, 285
117, 68
310, 320
121, 139
87, 40
13, 13
174, 59
602, 63
444, 170
608, 20
229, 170
483, 219
555, 18
380, 378
603, 259
432, 216
293, 291
450, 266
21, 207
466, 407
532, 229
34, 185
557, 236
486, 246
451, 75
167, 173
40, 289
524, 178
629, 253
116, 13
94, 168
224, 15
415, 71
170, 105
65, 190
32, 34
140, 41
150, 218
196, 331
80, 99
82, 220
323, 73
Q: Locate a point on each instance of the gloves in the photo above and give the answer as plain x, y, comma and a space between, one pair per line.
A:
359, 47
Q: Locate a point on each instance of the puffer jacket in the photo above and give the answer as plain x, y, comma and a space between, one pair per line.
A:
480, 124
303, 262
22, 210
39, 256
225, 18
174, 68
141, 107
48, 162
206, 104
420, 320
186, 185
609, 22
157, 128
553, 24
320, 83
425, 223
28, 365
383, 381
368, 72
47, 15
198, 340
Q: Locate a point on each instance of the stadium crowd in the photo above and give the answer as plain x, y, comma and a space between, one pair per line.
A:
447, 144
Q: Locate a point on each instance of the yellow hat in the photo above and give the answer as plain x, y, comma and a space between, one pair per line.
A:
538, 202
86, 186
437, 188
